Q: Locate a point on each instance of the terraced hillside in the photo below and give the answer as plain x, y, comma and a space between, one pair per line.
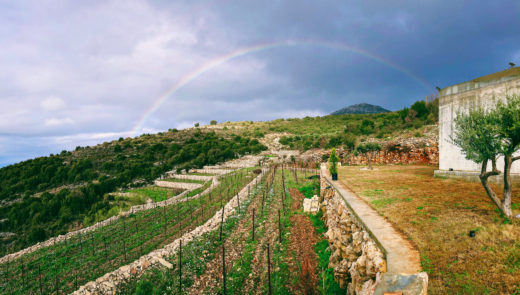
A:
96, 209
49, 196
64, 266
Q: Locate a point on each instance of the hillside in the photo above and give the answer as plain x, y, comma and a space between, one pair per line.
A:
136, 195
362, 108
48, 196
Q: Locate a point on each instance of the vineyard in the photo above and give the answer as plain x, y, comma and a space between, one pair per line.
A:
268, 247
63, 267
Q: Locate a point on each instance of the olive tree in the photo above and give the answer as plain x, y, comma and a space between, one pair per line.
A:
368, 150
484, 136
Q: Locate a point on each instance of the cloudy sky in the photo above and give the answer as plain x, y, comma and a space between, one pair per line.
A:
83, 72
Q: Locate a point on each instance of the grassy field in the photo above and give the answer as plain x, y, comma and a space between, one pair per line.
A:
200, 174
437, 215
154, 193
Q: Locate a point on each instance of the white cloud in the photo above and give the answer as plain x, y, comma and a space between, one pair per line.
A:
52, 103
87, 138
55, 122
299, 113
516, 58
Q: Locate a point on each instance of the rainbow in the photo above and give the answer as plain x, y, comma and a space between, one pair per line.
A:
252, 49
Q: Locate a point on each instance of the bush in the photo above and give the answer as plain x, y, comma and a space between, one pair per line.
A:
420, 108
367, 127
144, 287
213, 122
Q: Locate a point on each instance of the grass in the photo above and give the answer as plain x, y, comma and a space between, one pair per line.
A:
200, 174
311, 189
327, 283
437, 214
383, 202
154, 193
184, 180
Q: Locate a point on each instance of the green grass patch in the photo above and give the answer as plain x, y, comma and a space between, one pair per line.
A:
155, 193
311, 189
184, 180
200, 174
380, 203
373, 193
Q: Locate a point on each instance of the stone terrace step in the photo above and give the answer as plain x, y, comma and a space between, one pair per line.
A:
181, 185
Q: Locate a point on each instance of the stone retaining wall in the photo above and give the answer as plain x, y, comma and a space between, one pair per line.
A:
355, 255
108, 283
404, 155
181, 185
218, 171
192, 177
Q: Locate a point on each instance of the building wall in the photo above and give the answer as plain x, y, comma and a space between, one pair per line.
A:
484, 92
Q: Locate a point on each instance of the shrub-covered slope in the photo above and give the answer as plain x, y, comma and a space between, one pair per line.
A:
47, 196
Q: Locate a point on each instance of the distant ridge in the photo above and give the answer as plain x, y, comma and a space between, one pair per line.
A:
362, 108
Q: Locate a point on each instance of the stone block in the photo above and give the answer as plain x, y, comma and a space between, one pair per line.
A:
415, 284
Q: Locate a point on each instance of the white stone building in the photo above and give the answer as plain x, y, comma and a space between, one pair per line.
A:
484, 91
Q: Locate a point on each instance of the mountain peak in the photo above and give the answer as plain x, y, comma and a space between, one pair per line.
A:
362, 108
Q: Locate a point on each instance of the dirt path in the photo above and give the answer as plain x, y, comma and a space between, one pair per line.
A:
301, 257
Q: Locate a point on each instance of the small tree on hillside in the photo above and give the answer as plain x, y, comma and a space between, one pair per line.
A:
333, 167
213, 122
484, 136
369, 150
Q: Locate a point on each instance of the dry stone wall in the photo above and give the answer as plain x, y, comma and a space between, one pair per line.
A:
356, 259
109, 283
218, 171
410, 151
181, 185
192, 177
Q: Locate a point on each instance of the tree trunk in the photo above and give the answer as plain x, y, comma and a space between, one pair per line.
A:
369, 162
484, 175
508, 187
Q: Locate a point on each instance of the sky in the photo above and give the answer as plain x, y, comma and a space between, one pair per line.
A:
76, 73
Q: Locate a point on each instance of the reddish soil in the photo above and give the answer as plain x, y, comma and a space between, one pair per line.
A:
302, 240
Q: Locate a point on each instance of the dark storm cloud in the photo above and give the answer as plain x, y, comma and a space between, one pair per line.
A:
77, 73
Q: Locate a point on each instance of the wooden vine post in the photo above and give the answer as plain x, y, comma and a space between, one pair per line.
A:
269, 268
279, 227
124, 240
180, 266
238, 200
221, 222
224, 268
253, 224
